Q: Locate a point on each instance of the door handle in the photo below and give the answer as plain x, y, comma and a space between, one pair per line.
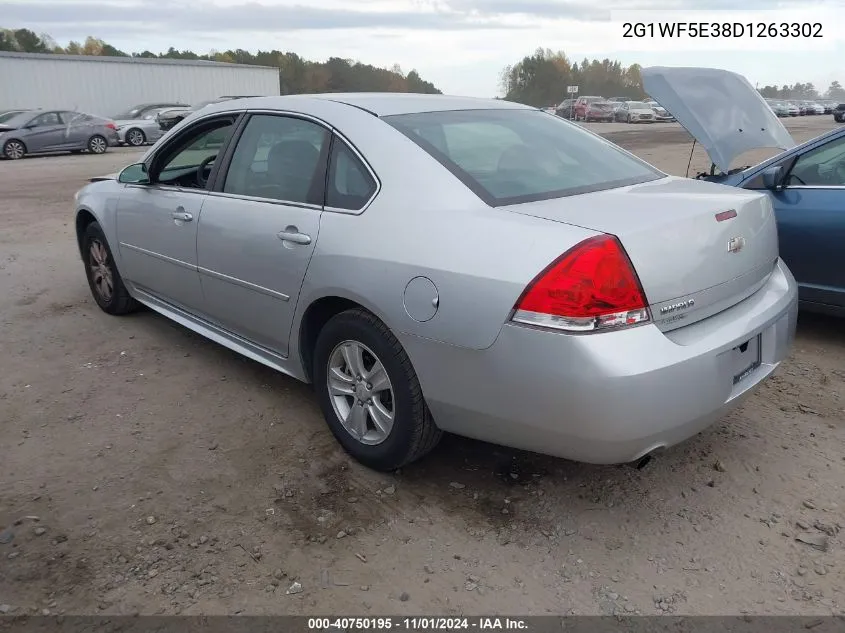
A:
292, 235
181, 215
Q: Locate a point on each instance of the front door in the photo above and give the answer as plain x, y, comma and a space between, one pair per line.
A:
46, 133
810, 211
157, 222
259, 227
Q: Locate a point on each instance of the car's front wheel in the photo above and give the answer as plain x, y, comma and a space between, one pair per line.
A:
103, 277
369, 392
14, 149
135, 137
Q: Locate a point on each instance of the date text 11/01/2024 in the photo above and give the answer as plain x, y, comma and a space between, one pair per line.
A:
417, 624
785, 30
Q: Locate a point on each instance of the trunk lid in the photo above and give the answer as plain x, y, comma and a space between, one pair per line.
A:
720, 109
691, 263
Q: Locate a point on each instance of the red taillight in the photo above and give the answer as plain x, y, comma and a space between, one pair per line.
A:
111, 125
592, 286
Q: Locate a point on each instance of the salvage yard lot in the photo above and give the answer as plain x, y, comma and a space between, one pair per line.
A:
147, 470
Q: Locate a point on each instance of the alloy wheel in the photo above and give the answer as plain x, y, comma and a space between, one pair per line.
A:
361, 392
97, 145
101, 275
14, 150
135, 137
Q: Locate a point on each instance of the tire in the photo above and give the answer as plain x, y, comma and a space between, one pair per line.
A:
97, 144
628, 119
413, 432
98, 259
13, 149
135, 137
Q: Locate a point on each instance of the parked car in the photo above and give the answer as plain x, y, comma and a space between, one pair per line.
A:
619, 313
601, 111
814, 108
138, 111
661, 114
618, 99
634, 112
800, 109
582, 104
805, 183
168, 119
839, 113
566, 109
828, 106
779, 108
36, 132
140, 131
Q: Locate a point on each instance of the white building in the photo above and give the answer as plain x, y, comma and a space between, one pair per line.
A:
109, 85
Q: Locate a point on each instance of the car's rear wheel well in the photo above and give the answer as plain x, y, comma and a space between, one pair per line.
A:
315, 317
83, 219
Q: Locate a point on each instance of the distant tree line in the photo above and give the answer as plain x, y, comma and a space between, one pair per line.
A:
804, 91
541, 79
297, 75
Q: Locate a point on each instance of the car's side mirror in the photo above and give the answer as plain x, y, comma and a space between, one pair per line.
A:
134, 175
773, 178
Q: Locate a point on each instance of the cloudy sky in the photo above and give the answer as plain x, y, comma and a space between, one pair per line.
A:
460, 45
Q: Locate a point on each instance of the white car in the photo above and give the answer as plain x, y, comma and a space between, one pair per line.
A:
634, 112
137, 132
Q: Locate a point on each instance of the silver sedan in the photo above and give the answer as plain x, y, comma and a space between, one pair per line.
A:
140, 131
433, 263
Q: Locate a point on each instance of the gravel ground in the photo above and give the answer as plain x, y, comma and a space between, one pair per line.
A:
146, 470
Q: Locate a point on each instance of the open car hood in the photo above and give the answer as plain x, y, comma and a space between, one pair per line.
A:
719, 108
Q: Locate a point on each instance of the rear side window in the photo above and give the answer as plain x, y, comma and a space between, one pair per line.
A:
516, 156
350, 183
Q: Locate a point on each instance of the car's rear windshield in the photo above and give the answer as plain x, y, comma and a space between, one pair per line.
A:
516, 156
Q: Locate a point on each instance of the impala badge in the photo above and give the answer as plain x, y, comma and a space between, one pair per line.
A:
735, 244
676, 307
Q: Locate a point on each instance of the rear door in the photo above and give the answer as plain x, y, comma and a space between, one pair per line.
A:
259, 227
78, 129
810, 212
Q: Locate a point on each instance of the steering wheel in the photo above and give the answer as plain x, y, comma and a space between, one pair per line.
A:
202, 181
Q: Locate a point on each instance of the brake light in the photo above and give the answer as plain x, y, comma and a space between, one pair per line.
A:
591, 287
111, 125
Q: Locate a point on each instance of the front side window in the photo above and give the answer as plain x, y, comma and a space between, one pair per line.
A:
820, 167
350, 184
198, 149
48, 118
280, 158
516, 156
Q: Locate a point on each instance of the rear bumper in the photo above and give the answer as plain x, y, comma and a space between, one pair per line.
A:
605, 398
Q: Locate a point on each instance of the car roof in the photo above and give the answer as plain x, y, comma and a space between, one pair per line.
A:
377, 103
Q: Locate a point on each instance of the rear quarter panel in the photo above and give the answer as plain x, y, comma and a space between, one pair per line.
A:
425, 222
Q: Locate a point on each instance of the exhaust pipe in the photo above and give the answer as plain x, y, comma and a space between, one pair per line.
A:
642, 462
